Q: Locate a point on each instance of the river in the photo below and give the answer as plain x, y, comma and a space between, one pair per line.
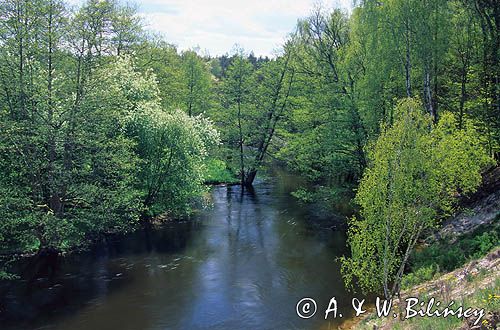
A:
244, 263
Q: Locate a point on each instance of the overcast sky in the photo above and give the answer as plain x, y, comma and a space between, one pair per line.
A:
215, 26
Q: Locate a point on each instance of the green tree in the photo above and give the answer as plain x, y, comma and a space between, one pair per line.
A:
197, 83
236, 89
416, 171
68, 103
162, 58
272, 99
255, 101
325, 134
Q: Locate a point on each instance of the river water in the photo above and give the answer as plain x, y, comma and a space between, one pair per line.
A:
242, 264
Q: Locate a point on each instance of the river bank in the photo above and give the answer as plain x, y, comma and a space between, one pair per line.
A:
476, 285
242, 264
480, 209
217, 175
460, 262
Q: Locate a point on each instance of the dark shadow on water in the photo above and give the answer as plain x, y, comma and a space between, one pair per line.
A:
243, 264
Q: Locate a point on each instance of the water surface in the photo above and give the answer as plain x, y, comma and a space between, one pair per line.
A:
242, 264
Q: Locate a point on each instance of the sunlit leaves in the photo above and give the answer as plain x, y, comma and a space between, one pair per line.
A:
416, 171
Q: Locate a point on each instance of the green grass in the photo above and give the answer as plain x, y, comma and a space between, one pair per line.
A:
443, 256
483, 297
217, 172
487, 298
430, 323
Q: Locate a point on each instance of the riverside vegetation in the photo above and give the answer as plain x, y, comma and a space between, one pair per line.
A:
104, 126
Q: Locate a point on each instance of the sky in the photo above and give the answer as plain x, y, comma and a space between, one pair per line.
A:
214, 27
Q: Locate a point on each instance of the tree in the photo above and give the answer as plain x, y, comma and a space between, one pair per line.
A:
416, 171
170, 145
272, 102
68, 103
162, 58
197, 84
325, 134
236, 91
487, 14
172, 148
255, 101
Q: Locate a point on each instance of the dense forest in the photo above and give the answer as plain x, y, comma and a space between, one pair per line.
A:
105, 126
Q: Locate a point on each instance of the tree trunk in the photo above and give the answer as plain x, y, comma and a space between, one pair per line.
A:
428, 93
54, 197
463, 95
240, 130
250, 177
408, 60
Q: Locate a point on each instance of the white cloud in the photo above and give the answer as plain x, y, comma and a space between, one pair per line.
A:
260, 26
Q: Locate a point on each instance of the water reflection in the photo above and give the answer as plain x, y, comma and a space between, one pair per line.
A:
243, 264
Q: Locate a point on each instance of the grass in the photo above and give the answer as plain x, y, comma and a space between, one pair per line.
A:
441, 256
485, 295
487, 298
430, 323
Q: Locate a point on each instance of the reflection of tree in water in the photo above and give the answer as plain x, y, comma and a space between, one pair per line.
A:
244, 261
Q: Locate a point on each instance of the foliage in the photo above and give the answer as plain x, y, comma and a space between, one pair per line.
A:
217, 172
172, 148
441, 256
413, 178
254, 103
198, 82
324, 133
85, 138
67, 165
352, 70
421, 275
303, 195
